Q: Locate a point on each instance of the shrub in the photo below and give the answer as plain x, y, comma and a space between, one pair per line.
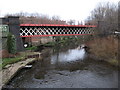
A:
11, 43
105, 48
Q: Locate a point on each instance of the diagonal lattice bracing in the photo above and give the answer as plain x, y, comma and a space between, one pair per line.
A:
32, 31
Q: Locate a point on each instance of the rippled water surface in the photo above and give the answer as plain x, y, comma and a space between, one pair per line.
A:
66, 69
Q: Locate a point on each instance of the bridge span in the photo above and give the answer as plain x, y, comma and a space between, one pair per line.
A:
40, 30
11, 24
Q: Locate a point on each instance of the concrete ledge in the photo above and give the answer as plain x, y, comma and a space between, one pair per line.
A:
10, 71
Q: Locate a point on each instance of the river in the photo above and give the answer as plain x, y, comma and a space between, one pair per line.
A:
66, 68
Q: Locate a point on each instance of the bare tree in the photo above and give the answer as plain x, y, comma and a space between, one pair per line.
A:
55, 18
71, 22
107, 16
36, 18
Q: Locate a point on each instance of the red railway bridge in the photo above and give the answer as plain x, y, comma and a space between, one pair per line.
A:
40, 30
21, 31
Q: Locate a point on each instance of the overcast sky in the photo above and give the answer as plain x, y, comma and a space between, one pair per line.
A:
78, 10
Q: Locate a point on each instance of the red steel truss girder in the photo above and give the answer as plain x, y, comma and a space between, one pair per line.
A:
54, 26
57, 25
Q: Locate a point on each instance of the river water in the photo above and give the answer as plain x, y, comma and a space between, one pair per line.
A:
66, 68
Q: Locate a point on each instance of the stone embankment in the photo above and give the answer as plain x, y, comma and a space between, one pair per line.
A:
10, 70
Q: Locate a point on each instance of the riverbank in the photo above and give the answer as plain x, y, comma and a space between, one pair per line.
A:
10, 70
105, 49
66, 71
16, 58
101, 48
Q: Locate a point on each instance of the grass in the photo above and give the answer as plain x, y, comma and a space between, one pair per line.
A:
6, 61
20, 57
31, 48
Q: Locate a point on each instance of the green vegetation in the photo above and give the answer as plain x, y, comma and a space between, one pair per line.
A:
21, 56
58, 40
49, 44
114, 62
66, 40
6, 61
11, 43
31, 48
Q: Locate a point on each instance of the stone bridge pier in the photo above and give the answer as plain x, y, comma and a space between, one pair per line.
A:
14, 28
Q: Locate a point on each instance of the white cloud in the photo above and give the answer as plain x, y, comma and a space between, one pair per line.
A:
66, 9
